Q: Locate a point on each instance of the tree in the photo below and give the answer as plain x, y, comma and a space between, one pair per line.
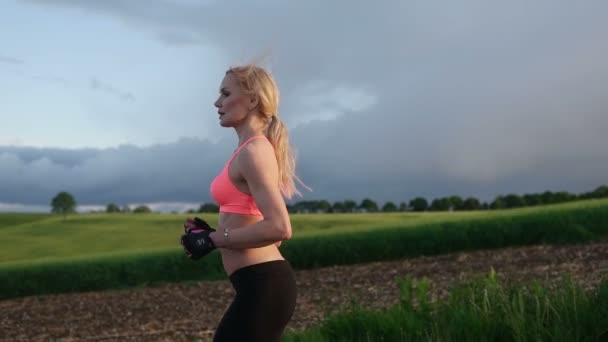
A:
142, 209
547, 197
63, 203
498, 203
513, 201
533, 199
471, 203
338, 207
209, 208
600, 192
349, 206
323, 206
112, 208
403, 206
126, 209
456, 202
440, 204
419, 204
389, 207
368, 205
563, 196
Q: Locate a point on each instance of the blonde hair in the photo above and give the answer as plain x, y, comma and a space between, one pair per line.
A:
258, 82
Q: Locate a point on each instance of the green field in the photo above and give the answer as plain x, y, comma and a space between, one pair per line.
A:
479, 309
37, 237
42, 254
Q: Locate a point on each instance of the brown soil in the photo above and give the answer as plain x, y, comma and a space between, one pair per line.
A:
186, 312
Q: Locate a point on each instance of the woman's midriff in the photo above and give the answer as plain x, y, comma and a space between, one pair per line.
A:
233, 259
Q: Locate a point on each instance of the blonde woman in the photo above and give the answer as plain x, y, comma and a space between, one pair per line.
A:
253, 217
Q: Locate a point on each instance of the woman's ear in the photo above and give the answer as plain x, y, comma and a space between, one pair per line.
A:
253, 102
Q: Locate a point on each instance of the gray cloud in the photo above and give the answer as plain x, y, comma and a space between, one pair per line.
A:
98, 85
53, 79
398, 99
180, 171
10, 60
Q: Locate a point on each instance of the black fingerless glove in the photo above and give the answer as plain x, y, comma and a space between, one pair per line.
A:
196, 242
193, 225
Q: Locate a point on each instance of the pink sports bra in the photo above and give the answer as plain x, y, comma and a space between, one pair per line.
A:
228, 196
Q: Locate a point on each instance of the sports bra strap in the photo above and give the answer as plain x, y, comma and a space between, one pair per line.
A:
243, 144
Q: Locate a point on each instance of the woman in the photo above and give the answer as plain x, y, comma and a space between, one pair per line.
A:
253, 216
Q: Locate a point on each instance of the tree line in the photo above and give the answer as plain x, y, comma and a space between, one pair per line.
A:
448, 203
65, 203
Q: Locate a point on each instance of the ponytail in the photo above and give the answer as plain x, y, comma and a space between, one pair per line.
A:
257, 81
278, 136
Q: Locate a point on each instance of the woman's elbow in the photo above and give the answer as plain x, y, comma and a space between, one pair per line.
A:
287, 234
284, 229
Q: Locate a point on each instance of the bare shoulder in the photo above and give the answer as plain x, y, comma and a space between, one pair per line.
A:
259, 168
258, 155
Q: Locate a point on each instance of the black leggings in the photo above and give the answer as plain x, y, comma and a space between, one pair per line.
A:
264, 303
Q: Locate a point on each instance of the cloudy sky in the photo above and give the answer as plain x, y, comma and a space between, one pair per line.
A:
113, 100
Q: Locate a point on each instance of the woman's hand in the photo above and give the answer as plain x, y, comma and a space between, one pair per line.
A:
196, 242
196, 224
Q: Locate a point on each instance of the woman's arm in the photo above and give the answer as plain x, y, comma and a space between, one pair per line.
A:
259, 167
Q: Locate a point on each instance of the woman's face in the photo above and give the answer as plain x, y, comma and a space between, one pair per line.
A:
232, 104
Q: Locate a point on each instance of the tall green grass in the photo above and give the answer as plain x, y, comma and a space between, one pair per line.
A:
28, 237
16, 219
130, 264
89, 235
479, 310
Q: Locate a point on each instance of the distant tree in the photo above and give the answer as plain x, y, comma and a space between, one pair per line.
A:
419, 204
323, 206
338, 207
209, 208
600, 192
440, 204
305, 206
63, 203
547, 197
368, 205
142, 209
563, 196
456, 202
125, 209
498, 203
513, 201
349, 206
403, 206
533, 199
471, 203
389, 207
112, 208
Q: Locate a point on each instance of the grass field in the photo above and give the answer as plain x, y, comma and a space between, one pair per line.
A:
476, 310
43, 237
43, 254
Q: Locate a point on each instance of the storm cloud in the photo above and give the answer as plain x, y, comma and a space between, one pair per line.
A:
386, 100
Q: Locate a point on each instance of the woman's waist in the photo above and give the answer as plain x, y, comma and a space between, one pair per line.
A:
237, 258
234, 259
236, 221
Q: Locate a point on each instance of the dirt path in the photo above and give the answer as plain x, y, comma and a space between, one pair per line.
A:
186, 312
